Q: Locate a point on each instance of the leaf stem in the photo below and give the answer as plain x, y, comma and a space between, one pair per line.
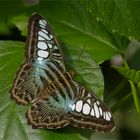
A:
124, 61
133, 88
135, 96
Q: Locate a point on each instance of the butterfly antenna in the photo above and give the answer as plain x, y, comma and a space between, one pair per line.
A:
81, 53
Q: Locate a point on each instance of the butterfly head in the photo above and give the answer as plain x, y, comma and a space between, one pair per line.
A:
72, 73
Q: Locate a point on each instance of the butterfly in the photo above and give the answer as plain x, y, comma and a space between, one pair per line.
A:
55, 99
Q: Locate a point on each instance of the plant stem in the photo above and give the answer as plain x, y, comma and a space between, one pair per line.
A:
124, 61
133, 88
135, 96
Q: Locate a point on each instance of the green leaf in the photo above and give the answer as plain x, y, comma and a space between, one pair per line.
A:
8, 10
74, 26
76, 32
72, 23
130, 74
3, 28
133, 76
12, 115
121, 16
88, 72
21, 23
135, 97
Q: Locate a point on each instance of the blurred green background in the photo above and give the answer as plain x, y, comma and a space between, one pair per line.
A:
111, 31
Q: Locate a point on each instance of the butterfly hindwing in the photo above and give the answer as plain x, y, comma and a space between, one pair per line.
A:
50, 108
46, 114
88, 111
83, 110
42, 50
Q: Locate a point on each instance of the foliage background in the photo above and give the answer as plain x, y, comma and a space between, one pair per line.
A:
109, 32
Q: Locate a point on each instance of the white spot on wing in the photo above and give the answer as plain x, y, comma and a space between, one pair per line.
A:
41, 38
43, 54
42, 27
50, 45
89, 95
98, 103
89, 101
45, 22
104, 116
86, 109
42, 22
40, 33
79, 105
100, 110
109, 114
55, 47
51, 36
107, 117
45, 31
96, 110
92, 112
42, 45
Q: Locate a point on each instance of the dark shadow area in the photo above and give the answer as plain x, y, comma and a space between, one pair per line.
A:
15, 35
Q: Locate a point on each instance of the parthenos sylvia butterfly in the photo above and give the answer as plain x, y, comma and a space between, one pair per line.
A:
56, 99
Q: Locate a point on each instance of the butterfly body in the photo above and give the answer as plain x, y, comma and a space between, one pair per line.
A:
56, 99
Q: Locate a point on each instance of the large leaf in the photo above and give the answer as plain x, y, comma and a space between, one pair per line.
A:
77, 32
74, 26
121, 16
13, 124
7, 10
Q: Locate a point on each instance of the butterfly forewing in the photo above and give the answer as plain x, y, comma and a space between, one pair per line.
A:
42, 49
56, 99
41, 42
